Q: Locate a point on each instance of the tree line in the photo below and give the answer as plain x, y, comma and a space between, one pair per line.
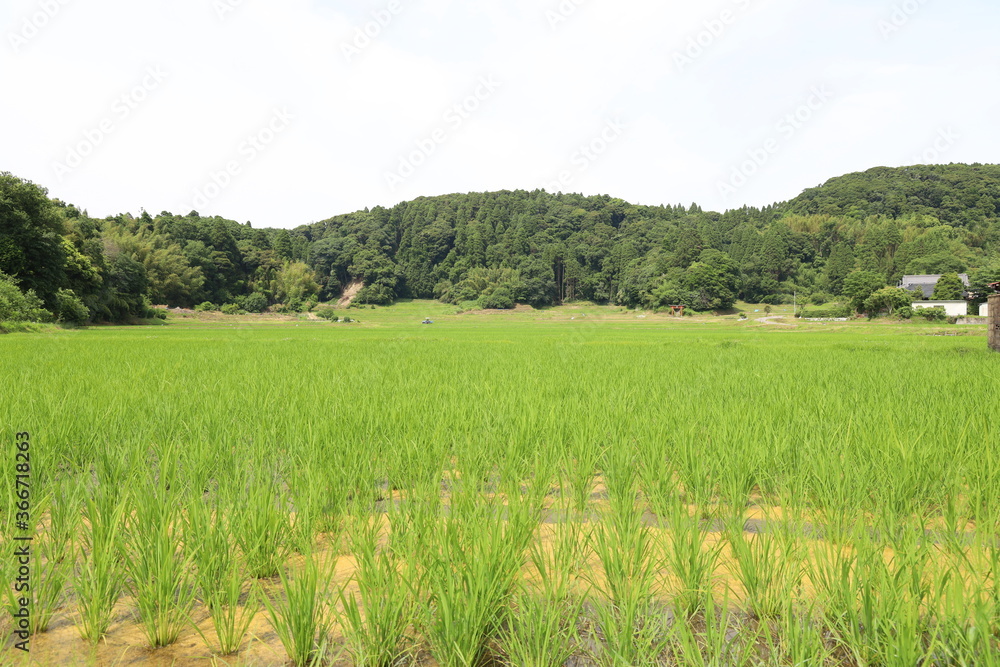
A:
497, 249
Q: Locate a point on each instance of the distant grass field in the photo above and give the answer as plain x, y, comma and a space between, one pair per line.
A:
582, 482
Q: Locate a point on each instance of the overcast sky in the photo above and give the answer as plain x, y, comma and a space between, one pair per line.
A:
284, 112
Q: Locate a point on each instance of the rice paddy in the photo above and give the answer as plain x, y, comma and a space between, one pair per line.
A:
576, 486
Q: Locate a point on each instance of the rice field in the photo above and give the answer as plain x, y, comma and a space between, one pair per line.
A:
566, 487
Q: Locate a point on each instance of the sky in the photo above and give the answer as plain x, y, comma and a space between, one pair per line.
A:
287, 112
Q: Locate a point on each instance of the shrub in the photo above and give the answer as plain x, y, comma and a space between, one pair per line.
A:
500, 299
232, 309
205, 307
377, 293
819, 298
905, 312
326, 313
935, 314
833, 312
69, 308
292, 306
18, 306
253, 303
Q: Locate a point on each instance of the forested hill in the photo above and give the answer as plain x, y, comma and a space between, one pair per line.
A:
539, 248
508, 247
959, 195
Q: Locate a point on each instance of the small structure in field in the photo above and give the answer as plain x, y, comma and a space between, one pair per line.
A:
951, 308
677, 311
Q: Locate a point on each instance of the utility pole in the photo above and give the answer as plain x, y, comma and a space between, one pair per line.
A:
993, 323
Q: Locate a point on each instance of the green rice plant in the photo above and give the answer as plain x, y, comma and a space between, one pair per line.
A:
834, 486
208, 537
690, 560
717, 645
737, 480
560, 564
219, 575
633, 632
261, 524
696, 470
63, 506
541, 626
579, 470
656, 476
99, 577
833, 572
477, 557
882, 624
800, 639
767, 573
52, 550
969, 643
49, 590
376, 621
540, 630
231, 614
303, 616
161, 574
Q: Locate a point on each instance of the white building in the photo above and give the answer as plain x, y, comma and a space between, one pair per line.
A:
984, 310
952, 308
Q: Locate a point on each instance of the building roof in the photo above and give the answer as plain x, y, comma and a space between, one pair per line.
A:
926, 282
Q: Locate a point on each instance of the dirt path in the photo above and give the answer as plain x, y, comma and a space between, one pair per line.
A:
770, 320
349, 294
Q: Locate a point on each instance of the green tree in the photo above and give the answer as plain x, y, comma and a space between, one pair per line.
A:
859, 285
887, 300
838, 266
712, 280
18, 306
296, 283
31, 243
70, 308
949, 287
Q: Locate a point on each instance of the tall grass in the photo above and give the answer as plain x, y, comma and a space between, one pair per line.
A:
158, 562
477, 554
209, 457
219, 575
634, 633
692, 560
99, 577
377, 620
303, 615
